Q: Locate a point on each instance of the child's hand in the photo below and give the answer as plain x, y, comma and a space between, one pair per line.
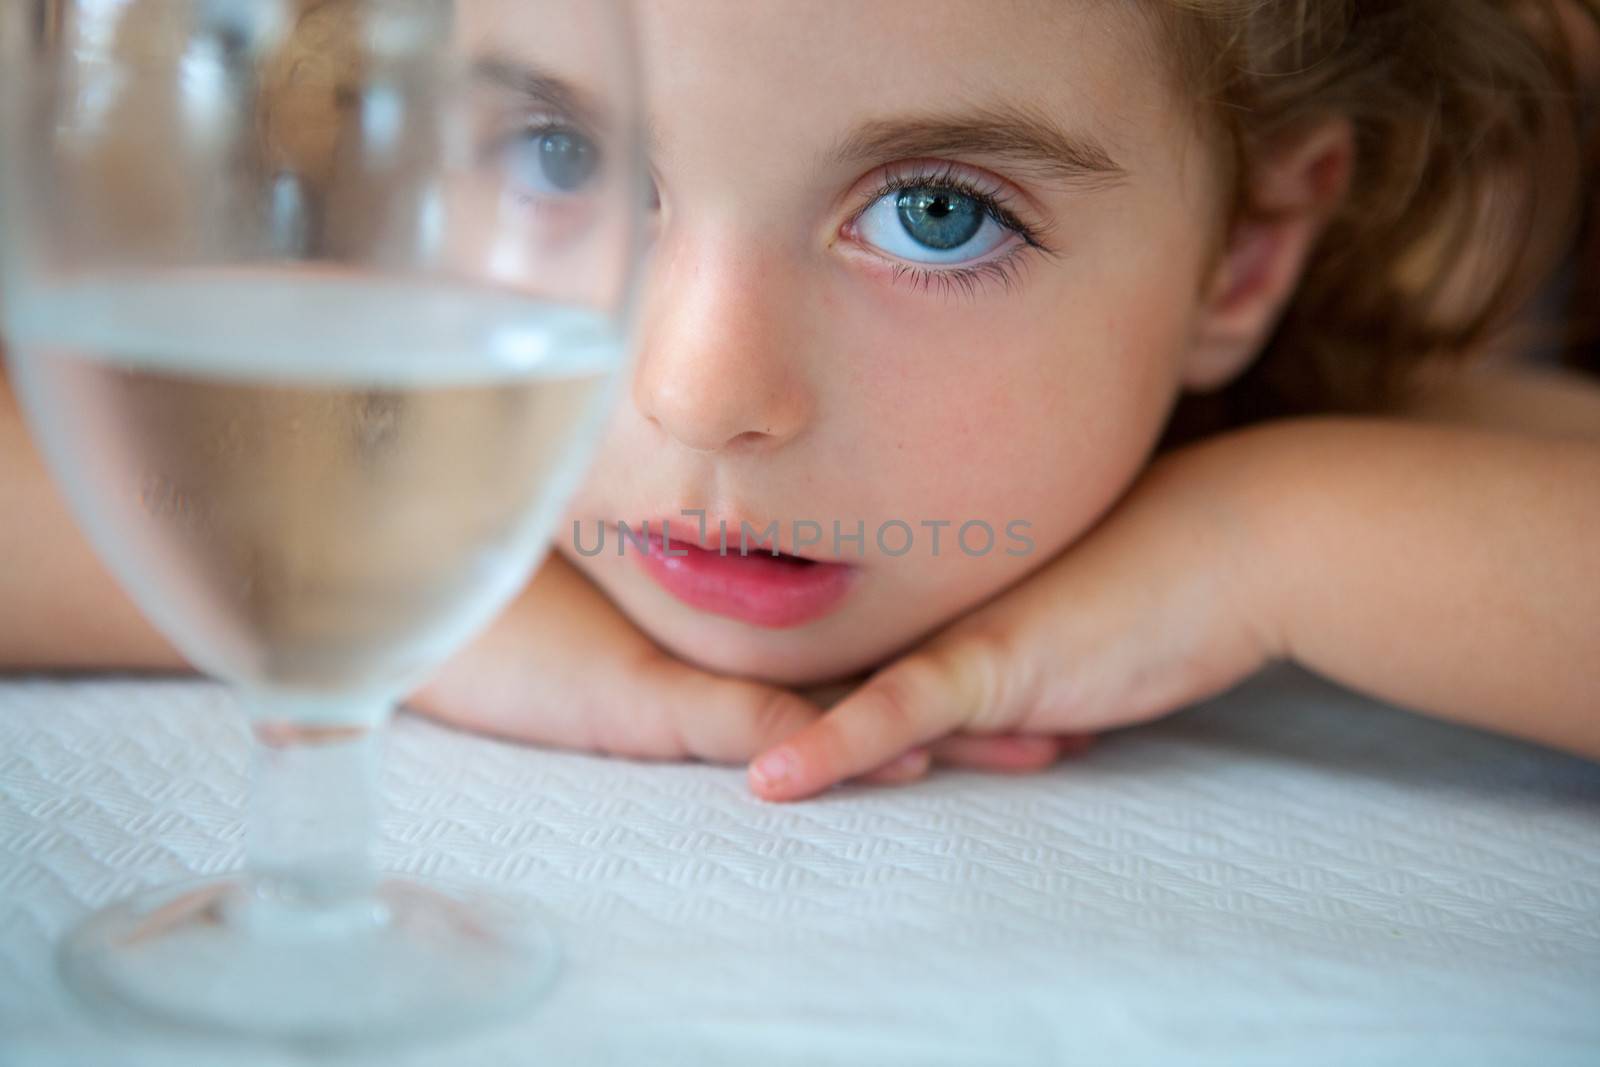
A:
562, 666
1152, 610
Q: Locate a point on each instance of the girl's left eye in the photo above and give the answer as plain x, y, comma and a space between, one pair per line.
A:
552, 161
931, 224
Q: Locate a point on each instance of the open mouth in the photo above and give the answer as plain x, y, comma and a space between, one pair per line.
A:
778, 557
755, 586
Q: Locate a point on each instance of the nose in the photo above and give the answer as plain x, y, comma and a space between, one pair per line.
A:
721, 359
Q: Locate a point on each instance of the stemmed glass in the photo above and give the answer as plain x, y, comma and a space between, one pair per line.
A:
315, 308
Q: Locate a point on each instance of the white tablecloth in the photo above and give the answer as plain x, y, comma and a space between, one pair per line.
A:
1289, 874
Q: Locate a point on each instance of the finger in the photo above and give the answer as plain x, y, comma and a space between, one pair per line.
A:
902, 769
1010, 753
644, 707
727, 720
1075, 744
912, 702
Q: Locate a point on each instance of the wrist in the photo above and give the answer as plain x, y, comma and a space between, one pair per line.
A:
1246, 483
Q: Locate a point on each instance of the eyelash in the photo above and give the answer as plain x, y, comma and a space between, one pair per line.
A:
969, 279
527, 127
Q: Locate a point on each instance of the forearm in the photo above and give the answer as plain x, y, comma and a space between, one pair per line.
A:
59, 609
1450, 570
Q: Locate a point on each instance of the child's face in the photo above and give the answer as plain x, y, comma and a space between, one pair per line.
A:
834, 332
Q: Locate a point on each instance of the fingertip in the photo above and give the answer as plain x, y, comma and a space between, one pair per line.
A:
774, 775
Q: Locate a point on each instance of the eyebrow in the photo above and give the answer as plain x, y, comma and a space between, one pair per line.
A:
534, 86
1027, 140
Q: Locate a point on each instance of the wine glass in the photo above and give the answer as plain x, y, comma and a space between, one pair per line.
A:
315, 308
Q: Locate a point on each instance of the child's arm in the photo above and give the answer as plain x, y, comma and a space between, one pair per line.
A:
1451, 569
59, 609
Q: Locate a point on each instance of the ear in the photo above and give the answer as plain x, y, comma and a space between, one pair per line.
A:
1295, 184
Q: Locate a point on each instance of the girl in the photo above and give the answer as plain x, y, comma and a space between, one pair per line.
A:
1171, 291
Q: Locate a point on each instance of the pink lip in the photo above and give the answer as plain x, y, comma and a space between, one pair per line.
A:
757, 588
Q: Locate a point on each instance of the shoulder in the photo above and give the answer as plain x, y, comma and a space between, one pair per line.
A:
1545, 401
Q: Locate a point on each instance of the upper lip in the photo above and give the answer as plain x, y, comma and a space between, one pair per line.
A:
685, 529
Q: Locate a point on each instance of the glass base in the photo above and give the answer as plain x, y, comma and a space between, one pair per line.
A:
410, 961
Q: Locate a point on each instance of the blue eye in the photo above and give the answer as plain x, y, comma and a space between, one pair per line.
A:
554, 161
931, 224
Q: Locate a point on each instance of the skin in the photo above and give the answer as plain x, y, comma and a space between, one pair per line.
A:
1396, 558
785, 372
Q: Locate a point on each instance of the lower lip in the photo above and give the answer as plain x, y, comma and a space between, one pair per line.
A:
758, 588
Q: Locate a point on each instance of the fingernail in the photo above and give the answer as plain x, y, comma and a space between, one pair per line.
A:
773, 768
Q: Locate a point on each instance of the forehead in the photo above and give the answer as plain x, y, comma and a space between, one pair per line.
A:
745, 69
773, 94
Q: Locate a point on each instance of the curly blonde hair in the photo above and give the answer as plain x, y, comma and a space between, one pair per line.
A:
1466, 118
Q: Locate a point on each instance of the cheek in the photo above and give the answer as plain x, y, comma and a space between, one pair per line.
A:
1040, 408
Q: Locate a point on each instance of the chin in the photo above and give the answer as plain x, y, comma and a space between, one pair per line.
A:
804, 656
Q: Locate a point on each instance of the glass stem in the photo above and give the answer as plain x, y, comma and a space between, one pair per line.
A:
313, 814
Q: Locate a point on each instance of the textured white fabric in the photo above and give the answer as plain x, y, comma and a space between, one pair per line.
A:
1288, 874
